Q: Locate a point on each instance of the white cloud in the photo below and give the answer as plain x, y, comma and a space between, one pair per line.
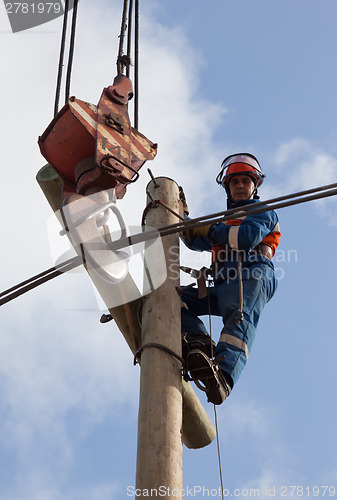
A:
298, 165
248, 417
305, 166
247, 420
54, 361
36, 488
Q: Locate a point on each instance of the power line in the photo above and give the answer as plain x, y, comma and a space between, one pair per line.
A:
258, 208
39, 279
224, 216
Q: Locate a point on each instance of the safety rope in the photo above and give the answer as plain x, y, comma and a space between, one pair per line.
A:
218, 448
215, 411
139, 351
154, 204
197, 222
239, 315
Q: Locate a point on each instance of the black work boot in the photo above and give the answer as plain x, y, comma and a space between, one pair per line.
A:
200, 341
208, 376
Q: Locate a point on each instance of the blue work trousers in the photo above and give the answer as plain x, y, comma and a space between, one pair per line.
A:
259, 285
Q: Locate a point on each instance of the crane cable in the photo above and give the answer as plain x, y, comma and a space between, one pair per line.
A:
261, 206
71, 50
124, 59
70, 55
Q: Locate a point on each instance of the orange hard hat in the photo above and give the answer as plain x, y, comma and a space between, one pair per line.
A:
240, 164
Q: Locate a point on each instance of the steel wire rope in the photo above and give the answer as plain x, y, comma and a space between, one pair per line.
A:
120, 57
193, 223
263, 203
226, 215
61, 58
214, 218
136, 71
39, 279
129, 37
124, 60
241, 211
71, 50
33, 278
70, 55
55, 271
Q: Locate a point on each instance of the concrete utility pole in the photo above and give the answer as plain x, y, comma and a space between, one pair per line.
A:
163, 421
159, 450
198, 430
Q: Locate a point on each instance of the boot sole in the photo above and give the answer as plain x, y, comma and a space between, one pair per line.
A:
203, 374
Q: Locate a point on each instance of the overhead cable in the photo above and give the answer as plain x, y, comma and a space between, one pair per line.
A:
181, 226
224, 216
39, 279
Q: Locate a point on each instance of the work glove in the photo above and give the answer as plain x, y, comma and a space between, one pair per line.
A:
191, 234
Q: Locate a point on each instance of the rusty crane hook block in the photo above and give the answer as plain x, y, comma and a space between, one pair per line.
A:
95, 149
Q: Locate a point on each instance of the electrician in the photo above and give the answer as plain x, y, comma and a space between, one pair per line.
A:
243, 272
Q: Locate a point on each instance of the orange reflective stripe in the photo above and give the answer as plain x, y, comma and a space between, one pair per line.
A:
272, 239
235, 222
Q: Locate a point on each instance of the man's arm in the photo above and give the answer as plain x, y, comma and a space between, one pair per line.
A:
246, 236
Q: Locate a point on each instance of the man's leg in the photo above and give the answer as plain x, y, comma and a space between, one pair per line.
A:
237, 337
195, 334
193, 307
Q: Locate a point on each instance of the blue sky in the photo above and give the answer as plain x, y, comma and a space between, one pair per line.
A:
216, 78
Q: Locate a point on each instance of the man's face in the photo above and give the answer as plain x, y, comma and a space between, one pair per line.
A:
241, 187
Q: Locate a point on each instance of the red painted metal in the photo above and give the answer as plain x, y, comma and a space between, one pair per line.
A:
95, 146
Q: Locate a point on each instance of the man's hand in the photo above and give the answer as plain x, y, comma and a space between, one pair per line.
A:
191, 234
